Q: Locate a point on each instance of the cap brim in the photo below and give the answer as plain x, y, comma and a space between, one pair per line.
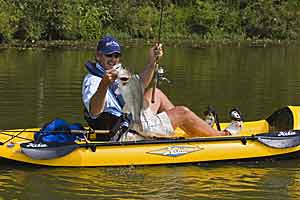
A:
112, 52
108, 51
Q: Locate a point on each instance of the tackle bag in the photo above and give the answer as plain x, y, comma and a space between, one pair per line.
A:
58, 131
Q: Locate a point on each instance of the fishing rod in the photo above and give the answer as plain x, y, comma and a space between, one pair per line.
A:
156, 78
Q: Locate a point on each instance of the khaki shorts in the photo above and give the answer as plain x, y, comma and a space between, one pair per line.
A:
157, 123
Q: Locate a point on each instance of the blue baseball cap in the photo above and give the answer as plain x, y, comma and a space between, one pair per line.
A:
108, 45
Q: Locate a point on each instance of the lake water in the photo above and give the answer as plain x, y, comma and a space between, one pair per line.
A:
37, 86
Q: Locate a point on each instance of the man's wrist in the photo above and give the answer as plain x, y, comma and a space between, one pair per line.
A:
104, 84
152, 63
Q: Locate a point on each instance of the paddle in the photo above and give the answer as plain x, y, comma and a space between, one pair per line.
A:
281, 139
156, 78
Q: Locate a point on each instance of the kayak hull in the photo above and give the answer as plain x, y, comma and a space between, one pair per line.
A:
154, 152
151, 153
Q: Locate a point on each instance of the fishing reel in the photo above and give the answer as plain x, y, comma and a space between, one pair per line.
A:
161, 75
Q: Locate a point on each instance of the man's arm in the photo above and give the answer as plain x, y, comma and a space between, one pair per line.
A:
98, 100
154, 54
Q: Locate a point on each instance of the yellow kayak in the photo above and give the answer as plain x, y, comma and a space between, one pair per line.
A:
275, 136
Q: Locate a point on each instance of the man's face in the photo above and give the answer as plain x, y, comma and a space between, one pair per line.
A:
108, 61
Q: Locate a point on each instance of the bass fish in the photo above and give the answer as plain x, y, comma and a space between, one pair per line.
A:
132, 89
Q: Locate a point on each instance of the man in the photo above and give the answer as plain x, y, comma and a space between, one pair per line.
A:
103, 105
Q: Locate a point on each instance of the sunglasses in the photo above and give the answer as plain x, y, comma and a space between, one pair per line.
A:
115, 55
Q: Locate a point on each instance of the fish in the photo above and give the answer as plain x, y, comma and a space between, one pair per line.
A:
132, 90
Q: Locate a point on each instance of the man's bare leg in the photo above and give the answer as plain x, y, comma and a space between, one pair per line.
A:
181, 116
193, 125
161, 101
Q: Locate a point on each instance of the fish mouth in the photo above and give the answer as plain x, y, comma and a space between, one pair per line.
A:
124, 80
124, 76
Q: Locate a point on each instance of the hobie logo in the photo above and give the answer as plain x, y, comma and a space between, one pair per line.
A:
174, 151
36, 145
286, 133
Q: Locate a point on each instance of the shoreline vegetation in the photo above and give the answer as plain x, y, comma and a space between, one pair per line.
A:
78, 24
90, 45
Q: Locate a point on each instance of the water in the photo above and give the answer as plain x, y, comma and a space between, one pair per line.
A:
38, 85
212, 181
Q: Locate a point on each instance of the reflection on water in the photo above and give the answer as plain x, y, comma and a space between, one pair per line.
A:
226, 181
38, 85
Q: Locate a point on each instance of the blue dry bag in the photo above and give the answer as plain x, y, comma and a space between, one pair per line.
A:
58, 131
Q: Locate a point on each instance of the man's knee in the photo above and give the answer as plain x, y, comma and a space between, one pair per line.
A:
182, 110
178, 115
157, 91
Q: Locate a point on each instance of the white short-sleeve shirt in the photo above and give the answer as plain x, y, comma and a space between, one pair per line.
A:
89, 87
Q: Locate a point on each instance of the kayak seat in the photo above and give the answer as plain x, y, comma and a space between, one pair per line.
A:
281, 120
105, 121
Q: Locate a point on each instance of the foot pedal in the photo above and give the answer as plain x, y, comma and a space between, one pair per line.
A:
211, 117
235, 114
236, 125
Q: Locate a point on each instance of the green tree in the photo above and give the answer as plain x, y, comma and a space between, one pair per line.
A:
203, 18
89, 19
94, 20
30, 26
56, 20
271, 19
9, 18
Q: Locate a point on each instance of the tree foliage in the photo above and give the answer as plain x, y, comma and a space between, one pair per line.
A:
10, 17
90, 19
271, 19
